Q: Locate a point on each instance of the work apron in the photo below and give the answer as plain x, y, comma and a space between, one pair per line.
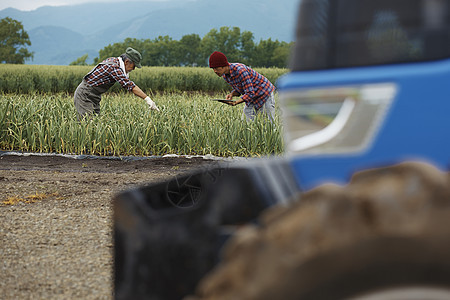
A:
87, 98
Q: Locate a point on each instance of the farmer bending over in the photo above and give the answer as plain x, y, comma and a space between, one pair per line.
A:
255, 90
103, 76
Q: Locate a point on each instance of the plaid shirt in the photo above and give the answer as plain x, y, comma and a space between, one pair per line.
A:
253, 87
109, 73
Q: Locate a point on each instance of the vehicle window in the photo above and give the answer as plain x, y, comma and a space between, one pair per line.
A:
348, 33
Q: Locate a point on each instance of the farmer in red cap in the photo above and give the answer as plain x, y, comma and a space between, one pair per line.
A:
256, 91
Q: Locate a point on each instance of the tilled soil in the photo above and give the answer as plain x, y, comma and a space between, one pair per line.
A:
56, 221
56, 231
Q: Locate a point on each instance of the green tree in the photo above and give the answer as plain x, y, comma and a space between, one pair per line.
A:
161, 52
115, 49
118, 49
192, 50
227, 40
269, 53
81, 61
247, 47
13, 40
188, 51
280, 55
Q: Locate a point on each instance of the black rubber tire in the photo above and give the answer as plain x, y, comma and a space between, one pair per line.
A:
388, 228
372, 265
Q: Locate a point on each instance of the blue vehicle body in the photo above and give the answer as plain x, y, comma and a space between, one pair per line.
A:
416, 127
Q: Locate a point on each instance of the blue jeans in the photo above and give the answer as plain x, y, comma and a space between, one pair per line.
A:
268, 108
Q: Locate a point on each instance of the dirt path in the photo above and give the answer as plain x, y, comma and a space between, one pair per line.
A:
55, 221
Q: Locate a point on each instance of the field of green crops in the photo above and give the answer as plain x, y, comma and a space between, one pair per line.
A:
65, 79
37, 114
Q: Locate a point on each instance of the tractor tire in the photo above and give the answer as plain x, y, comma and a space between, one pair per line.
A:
385, 235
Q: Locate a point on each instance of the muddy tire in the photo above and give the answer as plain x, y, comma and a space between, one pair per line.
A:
388, 229
375, 268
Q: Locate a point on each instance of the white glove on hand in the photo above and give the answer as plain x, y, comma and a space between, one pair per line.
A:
151, 103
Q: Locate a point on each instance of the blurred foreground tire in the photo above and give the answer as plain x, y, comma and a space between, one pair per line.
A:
386, 235
168, 235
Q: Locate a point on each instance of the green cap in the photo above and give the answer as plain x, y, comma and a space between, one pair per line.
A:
135, 56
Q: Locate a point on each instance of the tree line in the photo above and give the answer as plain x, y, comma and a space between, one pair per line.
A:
191, 50
13, 42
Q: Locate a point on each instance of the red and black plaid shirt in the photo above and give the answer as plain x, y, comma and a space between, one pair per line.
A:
109, 73
254, 87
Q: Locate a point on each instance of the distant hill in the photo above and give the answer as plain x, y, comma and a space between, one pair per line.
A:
59, 35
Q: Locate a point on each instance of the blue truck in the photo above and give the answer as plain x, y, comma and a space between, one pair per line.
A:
367, 88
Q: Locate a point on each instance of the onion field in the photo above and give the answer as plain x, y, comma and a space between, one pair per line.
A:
37, 114
188, 124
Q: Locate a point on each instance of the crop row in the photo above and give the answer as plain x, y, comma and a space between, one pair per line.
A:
188, 124
65, 79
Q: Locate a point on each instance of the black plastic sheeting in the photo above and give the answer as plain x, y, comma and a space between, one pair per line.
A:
121, 158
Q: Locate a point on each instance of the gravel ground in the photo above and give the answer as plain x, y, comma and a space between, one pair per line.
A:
55, 222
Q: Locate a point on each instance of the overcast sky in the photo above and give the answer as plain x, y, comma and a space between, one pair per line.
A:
33, 4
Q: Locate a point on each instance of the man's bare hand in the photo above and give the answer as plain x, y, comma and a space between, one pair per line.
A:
232, 103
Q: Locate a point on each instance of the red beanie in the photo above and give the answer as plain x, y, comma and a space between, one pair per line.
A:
218, 59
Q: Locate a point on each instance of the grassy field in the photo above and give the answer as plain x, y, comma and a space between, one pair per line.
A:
37, 115
65, 79
188, 124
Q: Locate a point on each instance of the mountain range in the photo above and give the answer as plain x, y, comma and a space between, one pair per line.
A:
61, 34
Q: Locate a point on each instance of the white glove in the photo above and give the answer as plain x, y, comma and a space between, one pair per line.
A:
151, 103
